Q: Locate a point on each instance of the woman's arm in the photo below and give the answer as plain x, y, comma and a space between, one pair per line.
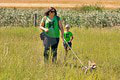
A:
42, 24
62, 30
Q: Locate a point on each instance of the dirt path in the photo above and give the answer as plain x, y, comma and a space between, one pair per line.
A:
43, 5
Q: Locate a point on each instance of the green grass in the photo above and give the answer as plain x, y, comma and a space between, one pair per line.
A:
21, 55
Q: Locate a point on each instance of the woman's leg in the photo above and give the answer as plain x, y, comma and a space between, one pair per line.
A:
46, 54
54, 50
46, 48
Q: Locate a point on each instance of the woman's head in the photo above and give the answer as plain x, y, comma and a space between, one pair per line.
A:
51, 11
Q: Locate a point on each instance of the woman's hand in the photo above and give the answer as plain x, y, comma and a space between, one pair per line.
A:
46, 30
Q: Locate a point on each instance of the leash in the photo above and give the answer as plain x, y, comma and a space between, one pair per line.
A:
74, 54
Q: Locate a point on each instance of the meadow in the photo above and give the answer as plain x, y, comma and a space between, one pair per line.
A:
21, 55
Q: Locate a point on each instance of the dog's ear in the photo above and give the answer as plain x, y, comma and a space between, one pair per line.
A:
93, 63
89, 63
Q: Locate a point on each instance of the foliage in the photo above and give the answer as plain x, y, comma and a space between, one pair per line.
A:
91, 8
86, 16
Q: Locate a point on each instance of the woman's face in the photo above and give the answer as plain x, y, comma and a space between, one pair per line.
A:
51, 13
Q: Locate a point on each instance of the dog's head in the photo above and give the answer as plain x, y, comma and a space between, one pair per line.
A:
92, 64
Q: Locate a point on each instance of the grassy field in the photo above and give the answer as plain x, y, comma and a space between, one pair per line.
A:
21, 55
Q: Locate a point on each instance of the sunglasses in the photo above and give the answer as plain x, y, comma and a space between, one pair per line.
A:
52, 11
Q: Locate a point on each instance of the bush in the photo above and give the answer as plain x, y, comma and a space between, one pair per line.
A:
85, 17
90, 8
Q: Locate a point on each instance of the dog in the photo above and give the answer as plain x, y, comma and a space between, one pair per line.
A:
91, 66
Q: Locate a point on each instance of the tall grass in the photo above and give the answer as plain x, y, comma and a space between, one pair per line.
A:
21, 55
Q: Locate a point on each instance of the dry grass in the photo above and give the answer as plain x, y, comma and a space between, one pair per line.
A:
60, 3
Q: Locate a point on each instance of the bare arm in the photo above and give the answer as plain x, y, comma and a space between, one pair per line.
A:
71, 39
62, 30
42, 27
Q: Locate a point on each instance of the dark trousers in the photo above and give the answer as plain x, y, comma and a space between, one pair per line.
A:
53, 44
67, 45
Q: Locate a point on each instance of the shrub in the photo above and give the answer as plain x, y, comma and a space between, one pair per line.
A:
85, 17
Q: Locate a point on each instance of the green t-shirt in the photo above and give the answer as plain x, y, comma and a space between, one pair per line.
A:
67, 36
52, 25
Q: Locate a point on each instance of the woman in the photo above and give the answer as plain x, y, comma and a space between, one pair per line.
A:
51, 26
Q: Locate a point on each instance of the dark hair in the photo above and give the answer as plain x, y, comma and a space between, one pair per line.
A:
49, 10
